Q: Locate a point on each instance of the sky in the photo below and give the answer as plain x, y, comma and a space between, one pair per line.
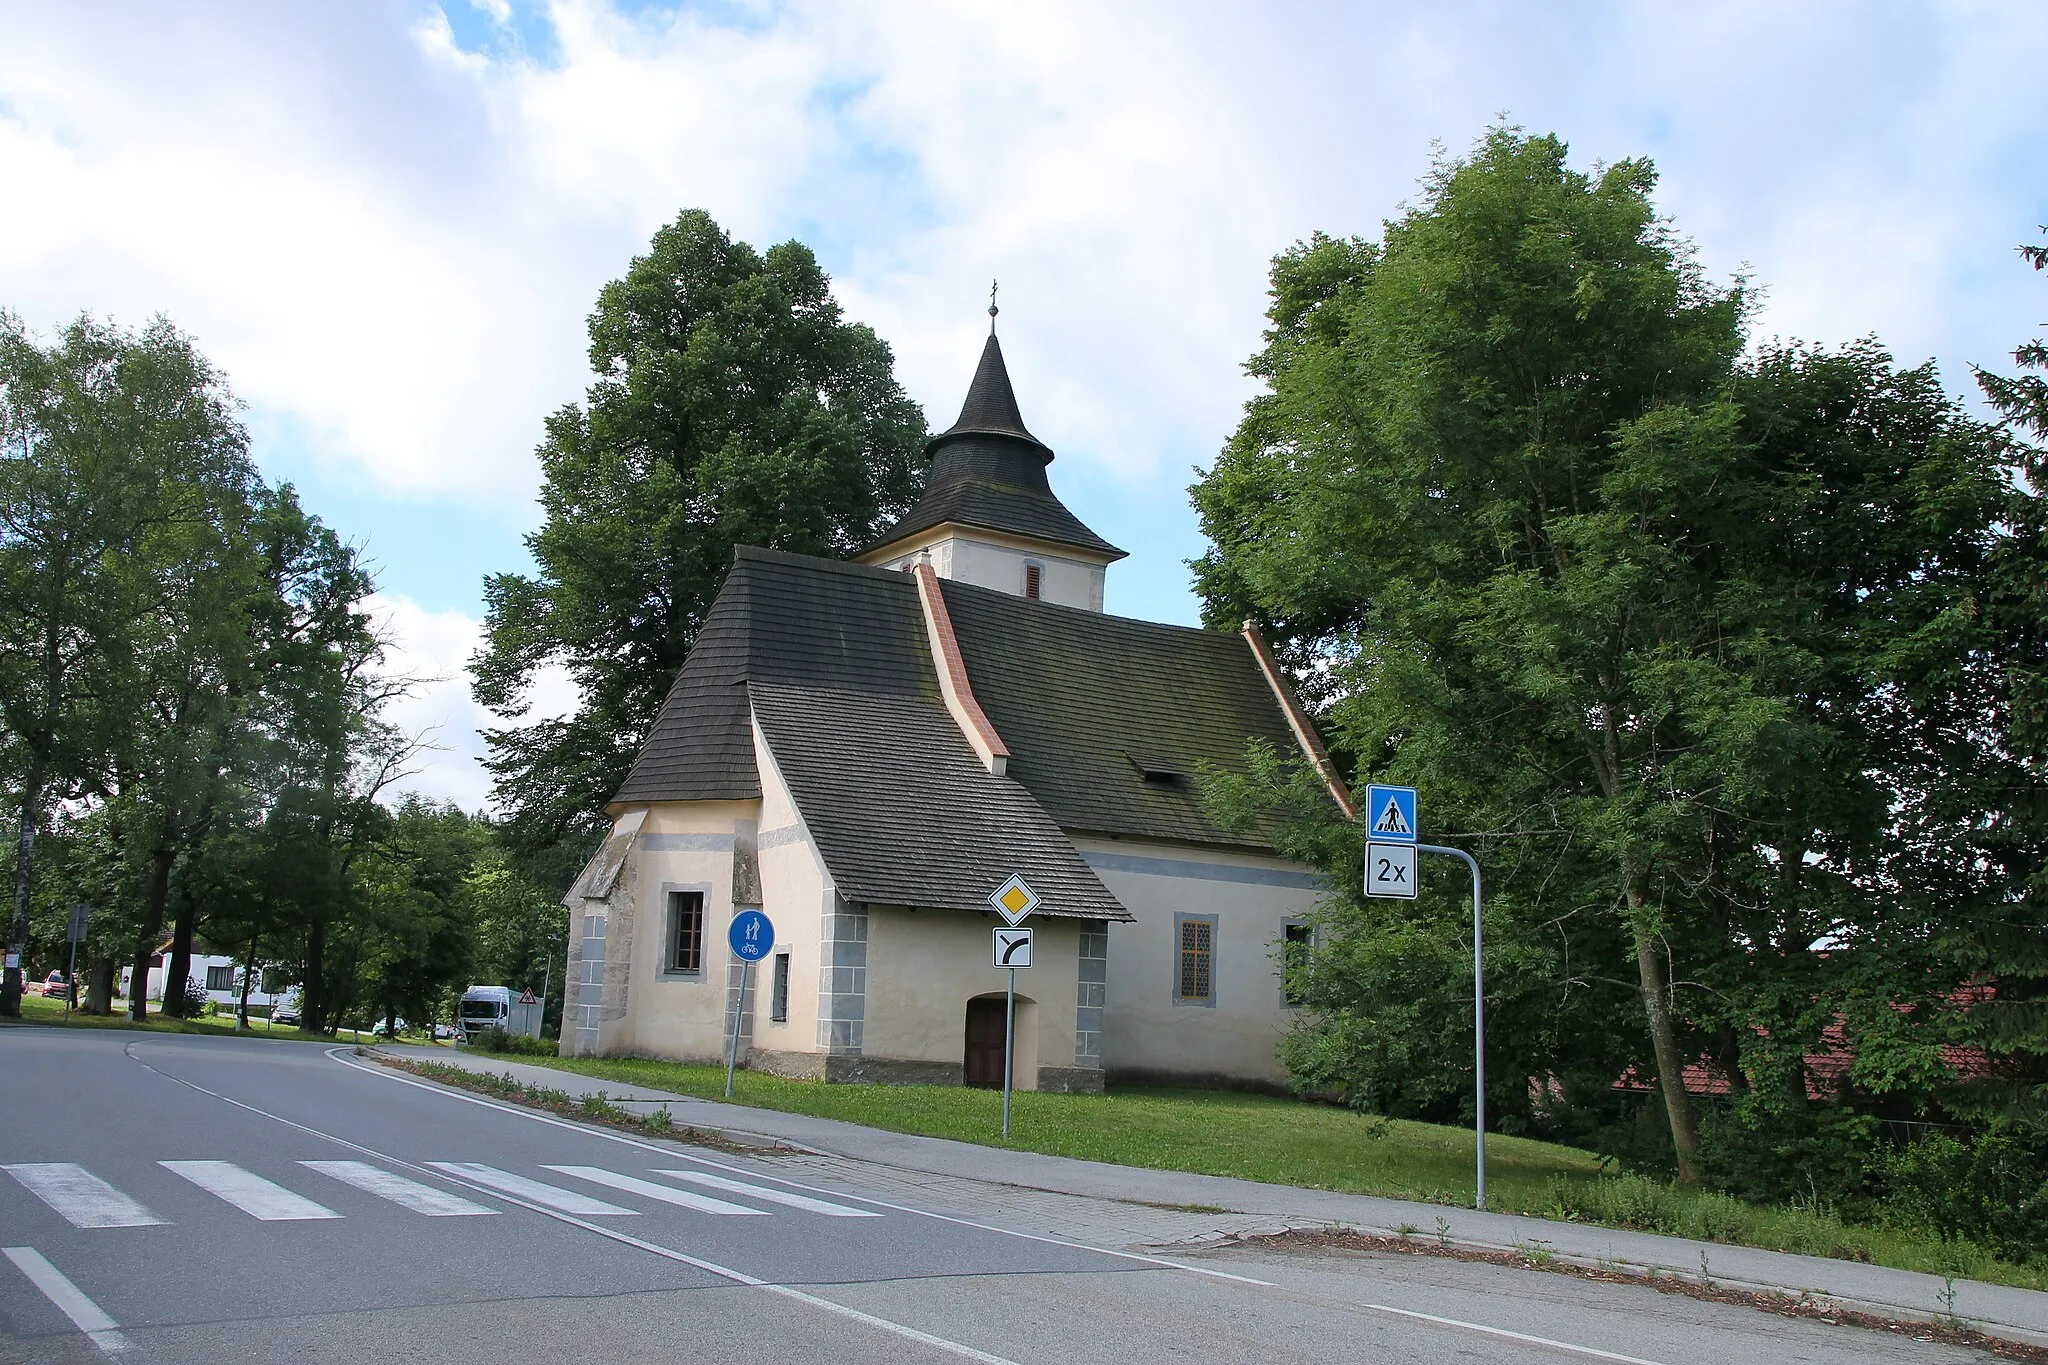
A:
387, 220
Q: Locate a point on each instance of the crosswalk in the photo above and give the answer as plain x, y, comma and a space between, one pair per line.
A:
86, 1200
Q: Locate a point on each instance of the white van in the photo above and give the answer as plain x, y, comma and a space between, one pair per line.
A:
484, 1008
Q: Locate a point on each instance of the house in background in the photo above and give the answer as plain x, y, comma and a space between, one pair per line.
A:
867, 750
221, 977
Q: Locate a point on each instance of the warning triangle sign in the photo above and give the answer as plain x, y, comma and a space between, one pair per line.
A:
527, 997
1392, 821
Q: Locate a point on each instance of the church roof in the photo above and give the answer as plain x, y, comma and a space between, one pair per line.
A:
1108, 721
988, 471
833, 661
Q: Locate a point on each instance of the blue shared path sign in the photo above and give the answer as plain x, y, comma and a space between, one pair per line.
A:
751, 936
1390, 814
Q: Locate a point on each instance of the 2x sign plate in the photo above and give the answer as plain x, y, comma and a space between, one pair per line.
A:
1390, 870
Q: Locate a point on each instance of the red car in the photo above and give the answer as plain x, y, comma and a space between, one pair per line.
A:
56, 985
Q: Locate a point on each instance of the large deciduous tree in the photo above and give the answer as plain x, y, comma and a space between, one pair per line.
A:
732, 405
117, 451
1658, 627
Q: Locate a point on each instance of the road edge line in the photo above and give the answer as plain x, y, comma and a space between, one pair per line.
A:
87, 1316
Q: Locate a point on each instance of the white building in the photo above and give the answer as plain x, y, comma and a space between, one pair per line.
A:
867, 750
221, 976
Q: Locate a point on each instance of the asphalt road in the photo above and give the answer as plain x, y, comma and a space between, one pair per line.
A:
171, 1199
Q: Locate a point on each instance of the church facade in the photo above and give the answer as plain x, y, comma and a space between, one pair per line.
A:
866, 750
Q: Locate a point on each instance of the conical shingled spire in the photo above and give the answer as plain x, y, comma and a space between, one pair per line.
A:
991, 406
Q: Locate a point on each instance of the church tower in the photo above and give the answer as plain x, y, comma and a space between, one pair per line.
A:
989, 516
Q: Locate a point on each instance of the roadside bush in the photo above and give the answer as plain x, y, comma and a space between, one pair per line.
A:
518, 1044
1993, 1191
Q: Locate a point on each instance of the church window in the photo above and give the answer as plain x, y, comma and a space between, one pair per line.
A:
1032, 574
778, 997
685, 931
1195, 977
1298, 940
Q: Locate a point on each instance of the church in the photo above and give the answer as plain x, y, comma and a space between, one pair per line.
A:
866, 751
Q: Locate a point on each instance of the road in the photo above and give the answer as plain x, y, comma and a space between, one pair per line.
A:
182, 1199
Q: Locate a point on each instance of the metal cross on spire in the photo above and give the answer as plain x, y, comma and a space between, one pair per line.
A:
992, 309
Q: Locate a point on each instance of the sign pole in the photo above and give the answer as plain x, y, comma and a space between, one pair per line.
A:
1009, 1047
1478, 1016
732, 1058
70, 979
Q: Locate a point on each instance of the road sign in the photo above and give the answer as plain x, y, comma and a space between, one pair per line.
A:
79, 914
1390, 814
1390, 870
751, 936
526, 997
1013, 948
1013, 900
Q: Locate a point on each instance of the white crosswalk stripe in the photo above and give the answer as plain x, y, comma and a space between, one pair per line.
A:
409, 1194
786, 1198
249, 1192
647, 1189
85, 1200
553, 1196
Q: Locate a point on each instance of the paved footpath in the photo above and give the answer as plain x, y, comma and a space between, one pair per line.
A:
1159, 1203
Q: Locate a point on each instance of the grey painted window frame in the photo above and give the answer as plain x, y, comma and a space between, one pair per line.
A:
1309, 942
778, 989
1215, 941
669, 890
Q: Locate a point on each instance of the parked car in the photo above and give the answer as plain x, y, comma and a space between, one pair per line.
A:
56, 985
445, 1031
381, 1032
286, 1011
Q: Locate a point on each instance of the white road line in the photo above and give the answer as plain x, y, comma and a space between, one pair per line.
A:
647, 1189
784, 1291
405, 1193
783, 1197
446, 1092
87, 1316
1592, 1352
249, 1192
554, 1196
85, 1200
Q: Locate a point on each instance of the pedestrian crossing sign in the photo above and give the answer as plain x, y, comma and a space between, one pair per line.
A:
1390, 814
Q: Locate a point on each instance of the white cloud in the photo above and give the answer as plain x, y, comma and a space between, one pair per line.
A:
390, 234
433, 649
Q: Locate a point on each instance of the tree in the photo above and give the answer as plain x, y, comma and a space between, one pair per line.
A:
732, 406
1650, 623
113, 446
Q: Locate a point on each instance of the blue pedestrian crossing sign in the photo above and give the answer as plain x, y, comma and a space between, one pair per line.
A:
751, 936
1390, 814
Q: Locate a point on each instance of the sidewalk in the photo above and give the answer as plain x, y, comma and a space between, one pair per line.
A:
2015, 1314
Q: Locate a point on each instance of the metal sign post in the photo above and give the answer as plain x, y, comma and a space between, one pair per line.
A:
1391, 845
79, 915
1011, 950
751, 936
1013, 900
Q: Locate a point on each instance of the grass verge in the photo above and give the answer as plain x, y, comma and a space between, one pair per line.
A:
38, 1009
1291, 1142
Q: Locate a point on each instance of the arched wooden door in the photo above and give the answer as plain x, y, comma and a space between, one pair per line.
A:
985, 1039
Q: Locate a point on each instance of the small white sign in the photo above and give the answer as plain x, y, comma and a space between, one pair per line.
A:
1013, 900
1012, 948
1390, 870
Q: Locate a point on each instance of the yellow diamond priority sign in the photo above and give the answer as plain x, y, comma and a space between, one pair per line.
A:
1014, 899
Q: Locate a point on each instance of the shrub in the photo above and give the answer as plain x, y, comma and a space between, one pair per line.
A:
518, 1044
1992, 1191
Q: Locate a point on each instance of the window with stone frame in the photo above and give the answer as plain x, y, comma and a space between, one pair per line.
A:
685, 932
778, 996
1196, 980
1298, 939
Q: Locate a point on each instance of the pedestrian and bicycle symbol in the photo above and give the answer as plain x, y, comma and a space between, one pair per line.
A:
1392, 810
1012, 948
751, 936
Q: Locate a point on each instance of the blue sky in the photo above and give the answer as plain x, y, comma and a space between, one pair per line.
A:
387, 219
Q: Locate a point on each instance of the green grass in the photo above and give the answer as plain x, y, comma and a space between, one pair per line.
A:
1293, 1142
37, 1009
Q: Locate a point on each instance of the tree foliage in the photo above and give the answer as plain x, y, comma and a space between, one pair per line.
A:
732, 406
1692, 645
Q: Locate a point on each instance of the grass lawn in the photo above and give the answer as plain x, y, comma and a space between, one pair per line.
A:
1292, 1142
36, 1009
